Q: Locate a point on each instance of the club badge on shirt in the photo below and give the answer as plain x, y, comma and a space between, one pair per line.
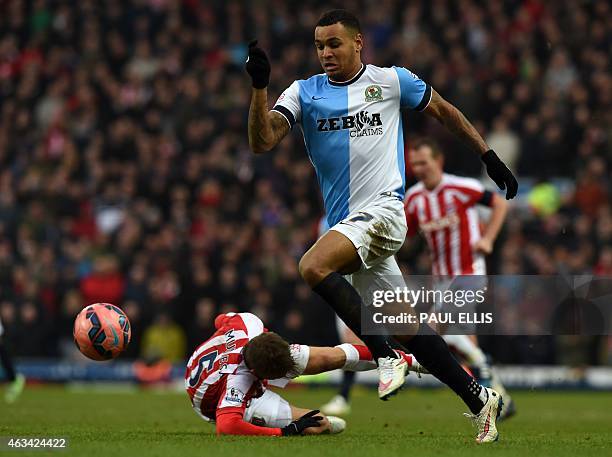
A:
373, 93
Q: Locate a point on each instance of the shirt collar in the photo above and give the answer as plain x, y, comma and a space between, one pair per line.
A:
350, 81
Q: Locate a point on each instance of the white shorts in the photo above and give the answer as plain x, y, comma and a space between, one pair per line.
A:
385, 275
377, 231
269, 410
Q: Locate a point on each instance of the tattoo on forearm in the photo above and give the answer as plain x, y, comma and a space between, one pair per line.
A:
257, 124
457, 123
280, 127
265, 129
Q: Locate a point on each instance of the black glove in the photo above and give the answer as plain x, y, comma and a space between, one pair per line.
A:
299, 425
258, 66
500, 173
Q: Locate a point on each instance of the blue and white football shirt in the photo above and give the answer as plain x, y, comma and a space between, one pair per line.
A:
353, 132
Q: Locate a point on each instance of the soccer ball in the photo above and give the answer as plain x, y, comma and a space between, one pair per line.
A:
102, 331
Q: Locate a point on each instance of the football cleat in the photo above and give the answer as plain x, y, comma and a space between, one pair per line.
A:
485, 420
413, 364
337, 406
391, 376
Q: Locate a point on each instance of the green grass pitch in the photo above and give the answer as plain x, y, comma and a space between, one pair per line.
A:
415, 423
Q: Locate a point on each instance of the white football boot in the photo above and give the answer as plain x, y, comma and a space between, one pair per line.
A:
338, 406
485, 420
391, 376
413, 364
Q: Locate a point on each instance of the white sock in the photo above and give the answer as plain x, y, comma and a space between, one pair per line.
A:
472, 353
483, 395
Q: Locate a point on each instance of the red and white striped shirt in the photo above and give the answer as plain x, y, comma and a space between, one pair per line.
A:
218, 381
449, 221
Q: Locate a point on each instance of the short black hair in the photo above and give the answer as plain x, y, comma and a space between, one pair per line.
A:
347, 19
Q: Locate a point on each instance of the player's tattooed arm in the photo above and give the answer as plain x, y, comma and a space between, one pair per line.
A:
266, 128
454, 120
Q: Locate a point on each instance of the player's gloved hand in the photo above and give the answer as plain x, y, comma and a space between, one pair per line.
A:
258, 66
500, 173
299, 425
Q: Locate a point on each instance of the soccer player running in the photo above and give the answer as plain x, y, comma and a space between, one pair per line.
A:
443, 207
351, 121
227, 378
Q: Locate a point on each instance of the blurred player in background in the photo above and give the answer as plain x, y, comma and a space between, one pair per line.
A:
227, 378
351, 120
16, 381
443, 207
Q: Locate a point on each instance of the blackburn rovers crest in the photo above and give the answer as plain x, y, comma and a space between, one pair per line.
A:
373, 94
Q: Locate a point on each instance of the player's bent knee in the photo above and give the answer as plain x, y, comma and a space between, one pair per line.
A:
312, 273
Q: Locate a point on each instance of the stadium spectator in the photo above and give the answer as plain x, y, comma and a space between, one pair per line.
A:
164, 339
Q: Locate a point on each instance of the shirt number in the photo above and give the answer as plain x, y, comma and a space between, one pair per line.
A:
207, 359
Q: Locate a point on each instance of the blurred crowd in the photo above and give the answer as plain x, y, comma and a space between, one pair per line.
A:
126, 175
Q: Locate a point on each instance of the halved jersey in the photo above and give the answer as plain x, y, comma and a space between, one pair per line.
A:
449, 221
353, 132
216, 377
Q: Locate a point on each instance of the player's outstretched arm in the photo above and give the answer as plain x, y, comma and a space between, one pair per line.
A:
233, 423
347, 356
454, 120
266, 128
322, 359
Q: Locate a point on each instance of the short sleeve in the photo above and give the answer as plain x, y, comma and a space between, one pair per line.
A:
486, 199
470, 191
288, 104
415, 93
300, 354
236, 390
323, 226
